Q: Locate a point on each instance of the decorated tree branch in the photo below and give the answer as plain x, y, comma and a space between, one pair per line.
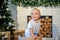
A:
36, 3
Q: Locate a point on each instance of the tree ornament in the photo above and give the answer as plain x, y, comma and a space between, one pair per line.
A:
11, 24
5, 1
4, 16
7, 9
8, 27
14, 22
4, 23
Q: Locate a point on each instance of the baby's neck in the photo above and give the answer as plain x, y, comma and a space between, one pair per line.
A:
37, 20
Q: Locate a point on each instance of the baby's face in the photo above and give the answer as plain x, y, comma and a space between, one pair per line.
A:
35, 14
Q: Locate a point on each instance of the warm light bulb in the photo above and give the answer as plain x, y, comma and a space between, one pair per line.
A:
4, 16
7, 9
14, 22
8, 27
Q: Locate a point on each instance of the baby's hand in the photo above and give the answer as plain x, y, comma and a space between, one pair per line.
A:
35, 37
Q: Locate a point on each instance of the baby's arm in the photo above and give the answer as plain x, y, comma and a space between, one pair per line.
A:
32, 33
39, 34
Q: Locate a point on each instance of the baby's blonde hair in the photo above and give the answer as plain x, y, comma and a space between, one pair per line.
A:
37, 10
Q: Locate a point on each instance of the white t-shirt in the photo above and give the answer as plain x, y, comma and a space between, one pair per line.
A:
34, 25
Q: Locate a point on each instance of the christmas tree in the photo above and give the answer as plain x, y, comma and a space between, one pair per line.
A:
5, 16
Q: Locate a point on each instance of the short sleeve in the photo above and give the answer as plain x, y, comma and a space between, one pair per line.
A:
30, 24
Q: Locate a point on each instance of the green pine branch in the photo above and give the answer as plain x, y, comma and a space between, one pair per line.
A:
32, 3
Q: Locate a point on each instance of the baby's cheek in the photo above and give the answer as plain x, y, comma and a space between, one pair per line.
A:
38, 16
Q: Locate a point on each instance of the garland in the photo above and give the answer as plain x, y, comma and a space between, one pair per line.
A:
36, 3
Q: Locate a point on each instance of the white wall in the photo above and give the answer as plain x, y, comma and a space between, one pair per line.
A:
22, 14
